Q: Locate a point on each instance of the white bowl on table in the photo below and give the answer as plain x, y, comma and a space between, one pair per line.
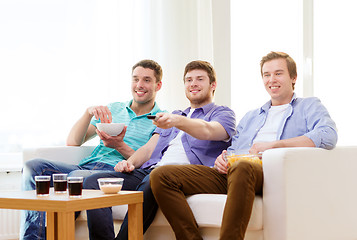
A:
112, 129
110, 185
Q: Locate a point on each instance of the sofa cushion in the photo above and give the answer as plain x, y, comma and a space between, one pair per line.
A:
207, 209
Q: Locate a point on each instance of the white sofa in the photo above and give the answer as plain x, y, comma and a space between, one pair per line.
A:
308, 194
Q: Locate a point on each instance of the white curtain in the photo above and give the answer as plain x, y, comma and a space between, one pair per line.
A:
182, 31
59, 57
175, 32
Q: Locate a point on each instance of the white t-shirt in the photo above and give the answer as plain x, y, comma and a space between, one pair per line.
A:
175, 153
268, 132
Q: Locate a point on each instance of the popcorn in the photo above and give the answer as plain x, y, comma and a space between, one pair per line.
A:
244, 157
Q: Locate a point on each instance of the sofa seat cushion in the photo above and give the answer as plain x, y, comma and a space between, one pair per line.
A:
207, 209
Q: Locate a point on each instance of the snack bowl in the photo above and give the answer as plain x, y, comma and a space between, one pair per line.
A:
112, 129
110, 185
232, 157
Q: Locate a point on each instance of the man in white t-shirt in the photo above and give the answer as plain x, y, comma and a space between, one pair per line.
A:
284, 121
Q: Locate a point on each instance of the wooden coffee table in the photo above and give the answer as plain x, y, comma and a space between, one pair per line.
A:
60, 209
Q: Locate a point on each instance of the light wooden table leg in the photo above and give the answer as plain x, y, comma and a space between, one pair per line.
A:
66, 226
135, 221
51, 218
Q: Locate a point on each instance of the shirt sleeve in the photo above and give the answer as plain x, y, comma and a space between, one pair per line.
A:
226, 117
157, 130
321, 128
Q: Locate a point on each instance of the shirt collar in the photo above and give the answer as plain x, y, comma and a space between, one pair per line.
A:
153, 111
128, 104
267, 105
205, 109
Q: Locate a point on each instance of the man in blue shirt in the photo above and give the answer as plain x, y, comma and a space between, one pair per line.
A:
284, 121
193, 136
146, 81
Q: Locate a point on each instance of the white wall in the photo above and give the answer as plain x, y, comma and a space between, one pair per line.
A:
221, 24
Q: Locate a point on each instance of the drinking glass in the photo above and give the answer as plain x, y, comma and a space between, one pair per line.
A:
75, 185
60, 182
42, 185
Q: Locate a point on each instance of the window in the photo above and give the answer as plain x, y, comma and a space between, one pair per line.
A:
335, 54
57, 58
259, 27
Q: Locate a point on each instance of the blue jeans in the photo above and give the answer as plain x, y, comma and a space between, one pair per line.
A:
33, 222
100, 221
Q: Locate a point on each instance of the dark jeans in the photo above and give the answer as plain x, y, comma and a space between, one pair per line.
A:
100, 221
33, 222
171, 184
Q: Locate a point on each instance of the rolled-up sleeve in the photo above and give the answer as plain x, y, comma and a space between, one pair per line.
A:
321, 128
226, 117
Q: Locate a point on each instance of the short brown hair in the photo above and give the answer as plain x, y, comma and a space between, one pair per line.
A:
203, 65
289, 62
151, 64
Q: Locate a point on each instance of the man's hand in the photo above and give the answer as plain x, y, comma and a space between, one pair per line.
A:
166, 120
124, 166
261, 147
101, 112
112, 141
301, 141
220, 164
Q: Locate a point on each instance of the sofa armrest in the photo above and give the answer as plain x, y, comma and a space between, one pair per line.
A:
67, 154
310, 193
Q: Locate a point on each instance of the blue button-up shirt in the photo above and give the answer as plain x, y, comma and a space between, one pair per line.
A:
304, 117
202, 152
